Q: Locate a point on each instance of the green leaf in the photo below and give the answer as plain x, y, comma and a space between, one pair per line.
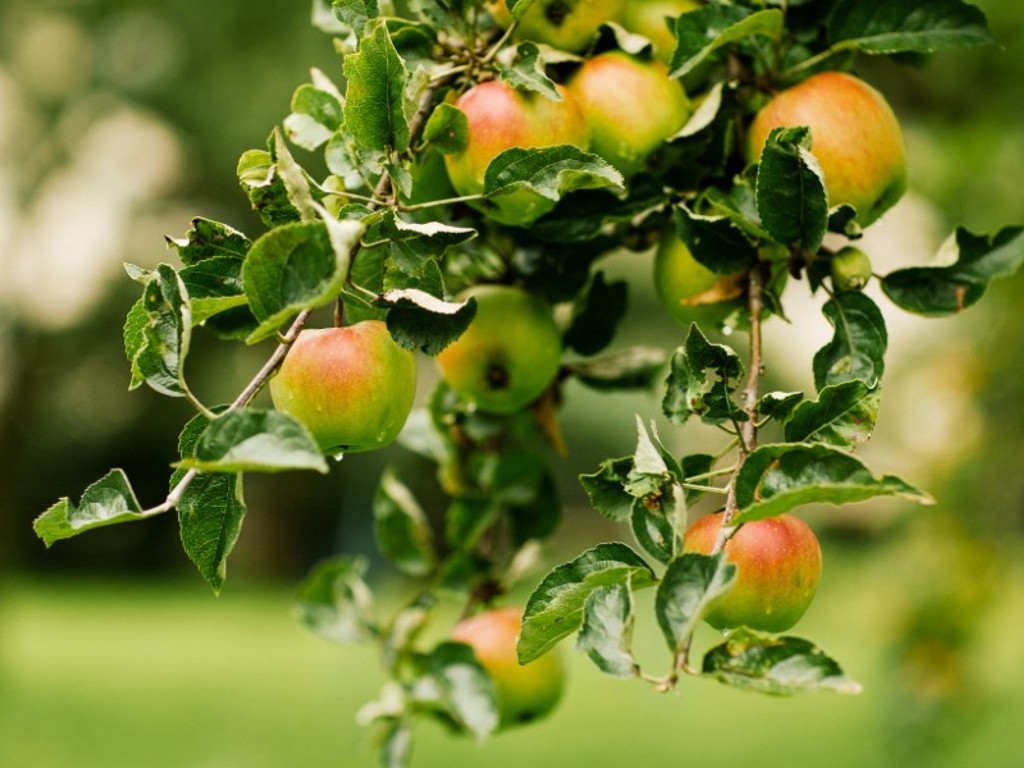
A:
555, 609
843, 416
214, 285
703, 31
942, 291
259, 177
715, 241
653, 529
907, 26
857, 349
605, 490
210, 511
296, 185
412, 243
777, 478
701, 382
688, 585
631, 368
108, 501
209, 239
791, 197
779, 666
251, 440
463, 687
335, 603
596, 316
158, 333
424, 323
315, 117
606, 633
375, 104
778, 405
403, 533
527, 72
297, 267
447, 128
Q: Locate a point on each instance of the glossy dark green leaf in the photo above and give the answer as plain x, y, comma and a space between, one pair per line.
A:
214, 285
701, 382
857, 349
630, 368
606, 634
907, 26
555, 609
941, 291
335, 602
652, 526
376, 109
108, 501
252, 440
778, 405
209, 239
596, 315
447, 128
703, 31
791, 198
688, 585
412, 242
424, 323
777, 478
714, 241
843, 416
779, 666
403, 532
605, 489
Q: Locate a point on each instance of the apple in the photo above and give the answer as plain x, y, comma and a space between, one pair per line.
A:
509, 355
850, 269
779, 566
569, 25
647, 18
352, 387
525, 692
691, 292
631, 105
500, 117
854, 135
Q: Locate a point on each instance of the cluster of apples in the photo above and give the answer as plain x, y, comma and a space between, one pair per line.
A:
353, 387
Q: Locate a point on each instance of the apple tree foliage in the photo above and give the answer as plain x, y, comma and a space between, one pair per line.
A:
373, 237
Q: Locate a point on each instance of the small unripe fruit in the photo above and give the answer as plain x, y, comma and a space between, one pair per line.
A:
850, 269
352, 387
525, 692
691, 292
569, 25
508, 356
854, 135
631, 105
779, 566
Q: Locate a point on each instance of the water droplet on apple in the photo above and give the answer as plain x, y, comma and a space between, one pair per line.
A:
727, 330
338, 456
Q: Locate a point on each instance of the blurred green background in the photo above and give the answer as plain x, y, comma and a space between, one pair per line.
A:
122, 119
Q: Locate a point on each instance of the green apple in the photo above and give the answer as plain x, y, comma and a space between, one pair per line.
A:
850, 269
525, 692
691, 292
779, 566
854, 135
647, 18
509, 355
500, 117
631, 105
352, 387
569, 25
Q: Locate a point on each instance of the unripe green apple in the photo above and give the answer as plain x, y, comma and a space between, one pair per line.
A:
850, 269
508, 356
854, 135
569, 25
500, 117
352, 387
647, 18
779, 566
691, 292
631, 105
525, 692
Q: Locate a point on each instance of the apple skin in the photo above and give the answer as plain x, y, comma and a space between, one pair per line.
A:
525, 692
631, 105
508, 356
779, 562
854, 135
500, 117
689, 291
569, 25
352, 387
647, 18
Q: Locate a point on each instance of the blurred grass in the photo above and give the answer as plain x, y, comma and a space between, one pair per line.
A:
105, 674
